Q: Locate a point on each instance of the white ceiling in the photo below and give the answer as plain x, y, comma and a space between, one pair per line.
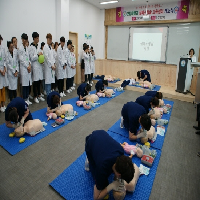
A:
124, 3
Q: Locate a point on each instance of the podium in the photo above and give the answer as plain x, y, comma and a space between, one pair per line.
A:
184, 75
197, 95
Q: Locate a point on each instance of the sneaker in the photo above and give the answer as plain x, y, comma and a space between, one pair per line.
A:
29, 102
68, 91
72, 88
30, 97
87, 82
74, 84
42, 95
36, 100
2, 109
91, 84
40, 98
64, 95
61, 94
45, 93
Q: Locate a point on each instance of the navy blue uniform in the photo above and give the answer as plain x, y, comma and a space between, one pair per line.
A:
21, 107
151, 93
145, 72
145, 102
131, 113
81, 90
50, 103
102, 152
125, 83
99, 86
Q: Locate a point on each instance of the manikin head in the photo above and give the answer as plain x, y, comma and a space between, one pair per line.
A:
49, 38
119, 195
24, 38
62, 41
161, 102
19, 131
14, 41
35, 37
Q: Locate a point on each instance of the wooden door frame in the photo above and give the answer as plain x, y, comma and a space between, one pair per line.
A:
77, 60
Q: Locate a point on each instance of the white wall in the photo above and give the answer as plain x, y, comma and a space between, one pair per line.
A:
27, 16
85, 18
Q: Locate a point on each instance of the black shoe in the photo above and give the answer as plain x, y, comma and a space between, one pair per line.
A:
198, 154
198, 132
196, 127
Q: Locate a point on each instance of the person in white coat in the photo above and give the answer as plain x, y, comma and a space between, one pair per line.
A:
2, 77
37, 71
49, 64
192, 56
54, 86
73, 67
92, 64
68, 68
12, 65
25, 68
42, 65
86, 56
83, 64
61, 67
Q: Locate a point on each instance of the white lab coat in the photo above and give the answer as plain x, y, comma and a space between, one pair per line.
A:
12, 64
60, 62
74, 64
49, 61
87, 63
68, 68
37, 71
3, 82
42, 65
92, 63
24, 64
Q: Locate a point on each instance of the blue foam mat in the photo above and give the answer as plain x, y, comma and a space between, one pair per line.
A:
13, 146
75, 183
156, 88
159, 140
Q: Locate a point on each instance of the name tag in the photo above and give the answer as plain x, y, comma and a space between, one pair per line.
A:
27, 59
14, 67
0, 59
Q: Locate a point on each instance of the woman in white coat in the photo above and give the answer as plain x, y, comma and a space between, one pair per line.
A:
2, 77
54, 86
60, 67
73, 67
49, 64
12, 65
37, 71
92, 64
86, 56
68, 67
25, 68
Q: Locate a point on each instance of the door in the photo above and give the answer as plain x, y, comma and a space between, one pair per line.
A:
74, 38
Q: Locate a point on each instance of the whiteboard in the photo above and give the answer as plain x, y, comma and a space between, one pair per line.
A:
118, 37
181, 37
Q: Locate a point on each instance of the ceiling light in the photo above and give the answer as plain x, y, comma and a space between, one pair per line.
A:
107, 2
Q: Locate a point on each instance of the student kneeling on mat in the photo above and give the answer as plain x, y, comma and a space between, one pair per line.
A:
83, 90
17, 112
53, 102
104, 157
132, 116
144, 74
147, 102
100, 85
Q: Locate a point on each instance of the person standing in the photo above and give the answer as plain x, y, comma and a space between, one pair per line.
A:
86, 56
36, 67
67, 63
83, 64
2, 77
49, 64
92, 64
72, 60
61, 67
12, 70
25, 68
